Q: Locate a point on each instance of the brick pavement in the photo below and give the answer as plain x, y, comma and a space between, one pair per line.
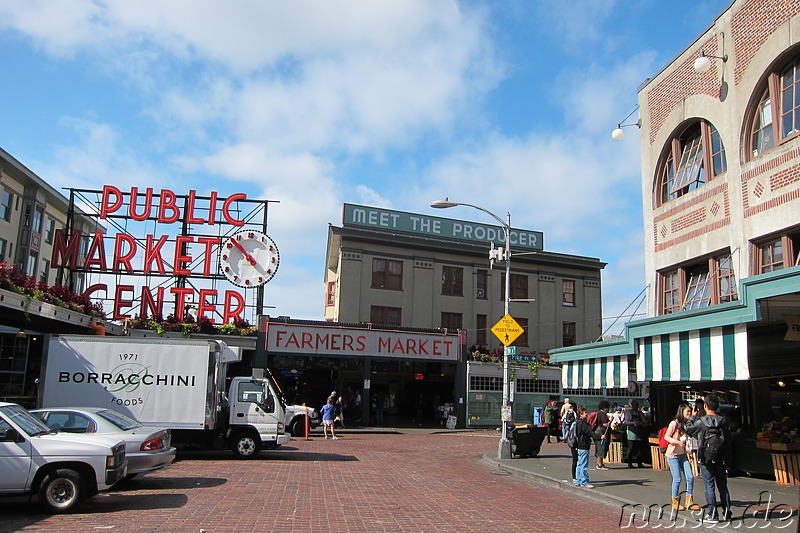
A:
368, 483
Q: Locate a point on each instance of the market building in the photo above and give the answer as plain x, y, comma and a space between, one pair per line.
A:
31, 211
408, 270
720, 149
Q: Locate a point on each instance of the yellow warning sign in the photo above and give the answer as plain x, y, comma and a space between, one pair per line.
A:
507, 330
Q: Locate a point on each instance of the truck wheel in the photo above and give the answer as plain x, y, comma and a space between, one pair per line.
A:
245, 446
62, 490
298, 427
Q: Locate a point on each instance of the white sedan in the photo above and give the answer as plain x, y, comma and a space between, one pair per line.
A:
147, 448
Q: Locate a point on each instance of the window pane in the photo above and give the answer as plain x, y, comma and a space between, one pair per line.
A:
698, 290
789, 100
689, 167
771, 256
762, 126
718, 153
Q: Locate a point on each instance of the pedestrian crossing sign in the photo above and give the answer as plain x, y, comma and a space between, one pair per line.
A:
507, 330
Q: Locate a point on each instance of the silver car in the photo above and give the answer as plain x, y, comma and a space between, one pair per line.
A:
147, 448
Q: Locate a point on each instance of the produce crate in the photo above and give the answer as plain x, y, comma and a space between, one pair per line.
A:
787, 468
778, 446
659, 458
614, 452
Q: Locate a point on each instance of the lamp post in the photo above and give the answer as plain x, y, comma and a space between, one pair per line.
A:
504, 447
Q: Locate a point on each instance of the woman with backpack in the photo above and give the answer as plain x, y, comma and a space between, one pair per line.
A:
582, 443
678, 460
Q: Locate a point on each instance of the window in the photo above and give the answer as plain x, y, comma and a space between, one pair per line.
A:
568, 293
44, 271
671, 291
6, 204
568, 336
519, 286
709, 282
387, 316
452, 321
30, 265
698, 292
331, 294
777, 253
522, 340
482, 285
38, 216
3, 246
542, 386
778, 104
485, 383
696, 150
452, 281
49, 230
387, 274
481, 323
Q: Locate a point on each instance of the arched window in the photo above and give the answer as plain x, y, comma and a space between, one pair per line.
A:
690, 159
776, 117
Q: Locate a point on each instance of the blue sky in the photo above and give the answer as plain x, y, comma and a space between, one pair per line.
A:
508, 105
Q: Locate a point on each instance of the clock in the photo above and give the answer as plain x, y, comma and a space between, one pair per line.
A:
249, 258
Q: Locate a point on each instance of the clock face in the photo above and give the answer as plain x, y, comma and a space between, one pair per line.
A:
249, 258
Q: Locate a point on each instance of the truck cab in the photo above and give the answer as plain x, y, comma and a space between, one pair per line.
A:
256, 418
62, 468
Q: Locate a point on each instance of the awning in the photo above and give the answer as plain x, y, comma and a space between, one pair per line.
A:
711, 354
596, 373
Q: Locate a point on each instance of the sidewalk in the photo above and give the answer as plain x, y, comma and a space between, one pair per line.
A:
646, 491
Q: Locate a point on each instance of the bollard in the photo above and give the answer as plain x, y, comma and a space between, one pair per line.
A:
308, 424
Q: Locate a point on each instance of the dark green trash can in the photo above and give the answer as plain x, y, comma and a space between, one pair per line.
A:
526, 441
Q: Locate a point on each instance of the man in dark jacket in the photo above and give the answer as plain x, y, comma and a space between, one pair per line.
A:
714, 454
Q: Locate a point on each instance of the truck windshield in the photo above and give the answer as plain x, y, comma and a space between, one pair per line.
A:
26, 421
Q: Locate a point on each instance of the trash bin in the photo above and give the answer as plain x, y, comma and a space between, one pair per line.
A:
526, 441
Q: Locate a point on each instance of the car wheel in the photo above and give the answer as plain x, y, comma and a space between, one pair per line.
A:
298, 427
245, 446
62, 490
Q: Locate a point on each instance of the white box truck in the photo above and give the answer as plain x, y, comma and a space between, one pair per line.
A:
173, 383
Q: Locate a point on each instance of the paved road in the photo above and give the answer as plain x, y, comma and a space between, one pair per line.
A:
368, 483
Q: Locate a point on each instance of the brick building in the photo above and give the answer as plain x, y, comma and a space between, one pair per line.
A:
720, 148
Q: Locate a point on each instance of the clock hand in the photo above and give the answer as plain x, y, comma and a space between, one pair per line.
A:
247, 256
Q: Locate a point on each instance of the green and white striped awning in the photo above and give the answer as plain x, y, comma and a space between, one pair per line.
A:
596, 373
711, 354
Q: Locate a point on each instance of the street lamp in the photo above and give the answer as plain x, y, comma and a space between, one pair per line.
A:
504, 447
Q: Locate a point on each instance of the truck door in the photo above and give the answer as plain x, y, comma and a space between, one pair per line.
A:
254, 404
15, 459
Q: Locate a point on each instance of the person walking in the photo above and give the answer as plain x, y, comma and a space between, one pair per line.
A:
583, 442
568, 416
328, 415
603, 434
551, 420
634, 424
339, 407
714, 453
678, 460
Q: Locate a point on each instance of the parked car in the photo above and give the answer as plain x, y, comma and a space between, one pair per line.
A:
63, 469
296, 419
147, 448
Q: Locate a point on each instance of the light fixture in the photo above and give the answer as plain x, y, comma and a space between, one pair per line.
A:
781, 383
21, 334
618, 134
703, 62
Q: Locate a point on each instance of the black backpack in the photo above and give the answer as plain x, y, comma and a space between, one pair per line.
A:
714, 445
572, 435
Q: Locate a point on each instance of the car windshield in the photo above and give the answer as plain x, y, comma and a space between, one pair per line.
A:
121, 421
25, 420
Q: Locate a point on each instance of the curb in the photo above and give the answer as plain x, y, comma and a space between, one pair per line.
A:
490, 459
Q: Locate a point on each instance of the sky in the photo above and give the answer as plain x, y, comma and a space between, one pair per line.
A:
389, 103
